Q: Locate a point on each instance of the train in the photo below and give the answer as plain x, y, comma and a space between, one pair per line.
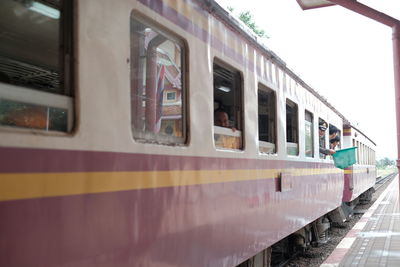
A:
110, 154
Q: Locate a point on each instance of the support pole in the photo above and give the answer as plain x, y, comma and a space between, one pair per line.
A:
373, 14
396, 61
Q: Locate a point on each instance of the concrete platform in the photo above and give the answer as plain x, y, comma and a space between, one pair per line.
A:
375, 238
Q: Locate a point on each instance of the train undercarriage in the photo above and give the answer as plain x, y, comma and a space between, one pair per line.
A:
312, 235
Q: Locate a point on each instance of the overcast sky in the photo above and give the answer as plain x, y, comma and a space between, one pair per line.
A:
344, 56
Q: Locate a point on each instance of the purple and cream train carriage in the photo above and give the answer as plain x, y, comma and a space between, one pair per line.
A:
108, 151
359, 178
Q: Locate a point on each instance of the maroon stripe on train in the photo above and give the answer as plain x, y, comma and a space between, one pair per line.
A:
26, 160
195, 226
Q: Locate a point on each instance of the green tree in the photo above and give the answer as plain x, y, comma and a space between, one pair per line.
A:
247, 19
385, 162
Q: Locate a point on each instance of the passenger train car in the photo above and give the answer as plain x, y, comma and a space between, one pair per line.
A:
359, 178
109, 155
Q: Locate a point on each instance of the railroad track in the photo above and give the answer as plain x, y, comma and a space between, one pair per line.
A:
382, 180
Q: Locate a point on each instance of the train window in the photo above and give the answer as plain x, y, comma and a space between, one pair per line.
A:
362, 154
322, 138
35, 65
309, 134
365, 154
292, 132
227, 107
157, 85
334, 137
266, 120
354, 145
373, 157
339, 144
171, 96
370, 156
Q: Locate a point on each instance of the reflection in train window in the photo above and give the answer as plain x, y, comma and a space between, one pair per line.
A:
171, 96
157, 85
227, 107
35, 64
292, 132
266, 119
25, 115
309, 134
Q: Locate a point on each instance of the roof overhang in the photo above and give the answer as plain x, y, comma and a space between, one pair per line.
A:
308, 4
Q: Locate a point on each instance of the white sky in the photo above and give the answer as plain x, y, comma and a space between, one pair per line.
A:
346, 57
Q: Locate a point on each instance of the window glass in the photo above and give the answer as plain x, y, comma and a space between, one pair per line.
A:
157, 85
227, 107
322, 137
292, 133
370, 156
334, 137
309, 134
362, 154
25, 115
354, 145
171, 96
35, 69
266, 119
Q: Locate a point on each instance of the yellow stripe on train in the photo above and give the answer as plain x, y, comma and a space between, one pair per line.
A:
35, 185
355, 171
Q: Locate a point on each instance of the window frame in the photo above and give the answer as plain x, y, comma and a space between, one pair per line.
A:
22, 94
322, 156
312, 134
167, 93
263, 88
297, 135
238, 106
176, 38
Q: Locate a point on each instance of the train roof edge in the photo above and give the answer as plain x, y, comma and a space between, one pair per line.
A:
214, 8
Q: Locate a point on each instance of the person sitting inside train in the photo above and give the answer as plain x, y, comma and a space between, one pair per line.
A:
334, 142
221, 119
322, 148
